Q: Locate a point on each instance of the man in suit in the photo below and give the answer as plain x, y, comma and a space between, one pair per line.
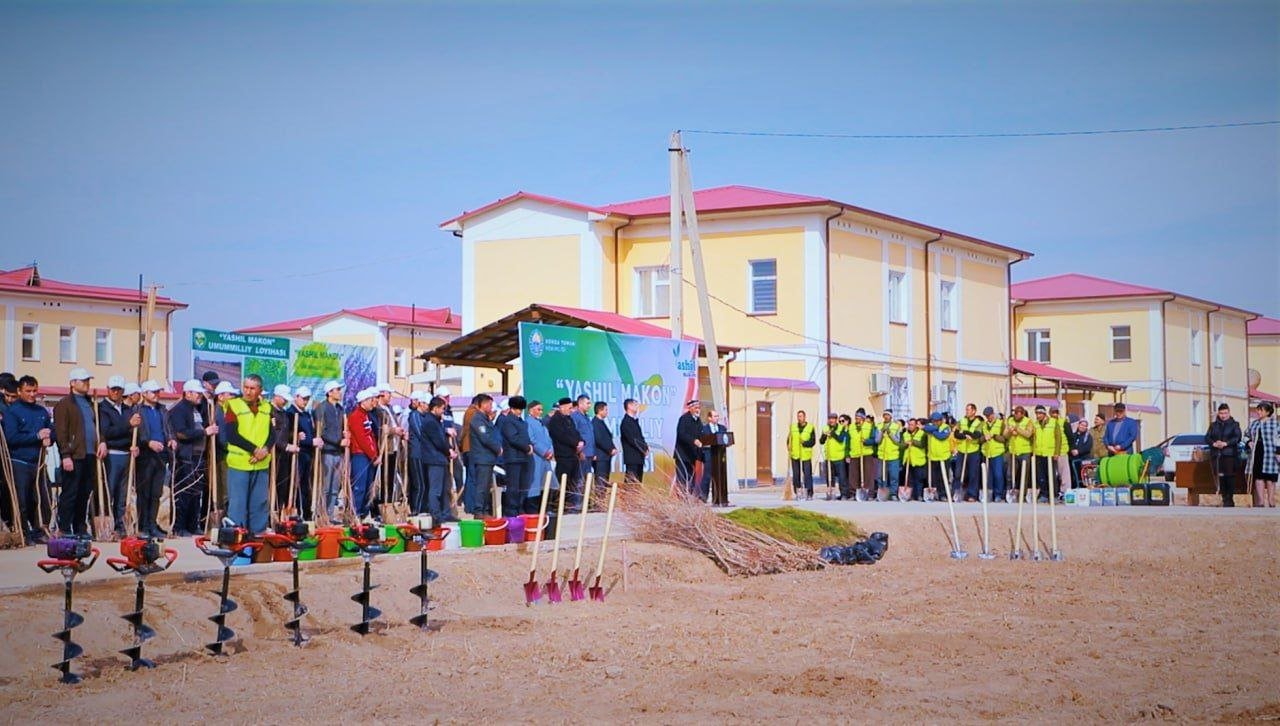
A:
515, 456
688, 446
634, 448
566, 444
582, 422
1121, 433
605, 449
486, 451
720, 494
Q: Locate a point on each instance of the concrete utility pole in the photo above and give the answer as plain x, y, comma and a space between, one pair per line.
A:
682, 199
675, 290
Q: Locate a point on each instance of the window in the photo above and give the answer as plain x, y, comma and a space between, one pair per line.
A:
764, 286
155, 348
897, 297
102, 346
947, 300
399, 362
946, 398
1038, 345
1217, 350
1121, 343
653, 292
899, 397
66, 344
30, 341
1195, 347
1195, 413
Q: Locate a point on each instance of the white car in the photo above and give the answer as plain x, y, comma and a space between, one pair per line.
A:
1179, 448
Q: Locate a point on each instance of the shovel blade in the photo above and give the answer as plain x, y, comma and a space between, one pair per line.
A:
597, 593
577, 591
532, 590
553, 590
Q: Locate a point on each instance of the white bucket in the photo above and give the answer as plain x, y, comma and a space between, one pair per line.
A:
453, 540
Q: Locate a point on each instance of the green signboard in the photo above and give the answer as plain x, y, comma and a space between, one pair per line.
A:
258, 346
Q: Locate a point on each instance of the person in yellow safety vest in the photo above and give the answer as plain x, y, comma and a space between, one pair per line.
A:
914, 459
889, 451
938, 434
862, 452
1019, 430
1062, 477
249, 442
992, 431
1044, 447
800, 443
835, 448
968, 440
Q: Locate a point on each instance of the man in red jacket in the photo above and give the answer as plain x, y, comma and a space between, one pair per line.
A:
364, 450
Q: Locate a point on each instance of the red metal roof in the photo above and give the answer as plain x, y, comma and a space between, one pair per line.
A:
29, 281
615, 322
1049, 373
1075, 286
520, 195
1256, 395
1263, 326
399, 315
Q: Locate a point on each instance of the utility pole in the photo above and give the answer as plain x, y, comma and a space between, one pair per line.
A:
675, 289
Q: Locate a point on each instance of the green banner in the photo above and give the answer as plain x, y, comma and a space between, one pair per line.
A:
258, 346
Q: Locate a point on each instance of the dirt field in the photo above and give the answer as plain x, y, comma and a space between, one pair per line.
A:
1115, 633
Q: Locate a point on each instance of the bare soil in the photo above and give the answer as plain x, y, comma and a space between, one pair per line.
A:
1148, 618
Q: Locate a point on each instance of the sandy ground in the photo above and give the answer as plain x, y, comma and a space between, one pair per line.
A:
1149, 617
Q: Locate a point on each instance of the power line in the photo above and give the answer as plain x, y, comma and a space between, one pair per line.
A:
983, 134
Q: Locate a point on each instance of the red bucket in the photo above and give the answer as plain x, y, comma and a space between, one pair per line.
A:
495, 531
327, 543
435, 545
531, 527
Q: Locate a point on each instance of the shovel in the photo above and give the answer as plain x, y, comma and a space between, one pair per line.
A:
576, 590
597, 592
553, 584
533, 590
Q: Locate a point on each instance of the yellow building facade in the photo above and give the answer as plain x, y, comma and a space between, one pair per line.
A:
1175, 353
1264, 358
835, 307
51, 327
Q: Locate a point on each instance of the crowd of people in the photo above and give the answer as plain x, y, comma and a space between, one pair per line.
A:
1044, 453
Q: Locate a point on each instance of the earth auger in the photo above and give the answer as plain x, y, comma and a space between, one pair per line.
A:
224, 544
369, 541
140, 557
70, 556
412, 532
293, 534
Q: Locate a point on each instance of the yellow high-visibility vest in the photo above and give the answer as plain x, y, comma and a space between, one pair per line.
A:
798, 434
256, 428
940, 449
913, 455
889, 449
1019, 434
967, 426
992, 449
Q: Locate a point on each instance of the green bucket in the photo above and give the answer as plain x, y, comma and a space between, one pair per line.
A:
472, 532
348, 549
389, 531
310, 552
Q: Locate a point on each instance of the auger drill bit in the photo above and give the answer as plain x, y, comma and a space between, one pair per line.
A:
225, 551
70, 567
141, 631
368, 613
426, 576
294, 596
225, 605
370, 546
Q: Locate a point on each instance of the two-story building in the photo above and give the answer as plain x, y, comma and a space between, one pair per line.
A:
1177, 355
1264, 359
52, 326
836, 307
398, 332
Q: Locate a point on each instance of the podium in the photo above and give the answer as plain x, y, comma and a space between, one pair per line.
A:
717, 444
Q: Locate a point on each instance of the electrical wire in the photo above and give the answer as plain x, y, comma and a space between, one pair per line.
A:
982, 134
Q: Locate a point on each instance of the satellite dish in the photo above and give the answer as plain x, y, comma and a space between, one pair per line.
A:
1255, 379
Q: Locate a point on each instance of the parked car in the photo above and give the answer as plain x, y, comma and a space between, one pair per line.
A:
1180, 447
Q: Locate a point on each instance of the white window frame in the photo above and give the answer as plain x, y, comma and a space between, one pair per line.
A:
31, 336
1196, 415
896, 290
1042, 338
108, 346
1115, 338
752, 278
399, 362
1196, 357
900, 396
948, 318
1219, 350
155, 349
67, 339
659, 291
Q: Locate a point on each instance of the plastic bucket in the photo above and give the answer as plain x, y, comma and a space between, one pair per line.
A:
1138, 495
495, 531
327, 543
389, 531
435, 545
348, 549
551, 528
472, 532
531, 527
310, 552
515, 530
453, 538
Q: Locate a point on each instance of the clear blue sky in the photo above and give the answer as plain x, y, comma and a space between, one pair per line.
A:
299, 156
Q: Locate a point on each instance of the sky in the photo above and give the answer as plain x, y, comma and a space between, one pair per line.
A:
264, 161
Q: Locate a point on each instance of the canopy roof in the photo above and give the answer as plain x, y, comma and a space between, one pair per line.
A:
1064, 378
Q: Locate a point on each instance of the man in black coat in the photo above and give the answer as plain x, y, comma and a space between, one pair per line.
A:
634, 447
688, 445
516, 451
187, 421
605, 449
565, 445
116, 421
1223, 439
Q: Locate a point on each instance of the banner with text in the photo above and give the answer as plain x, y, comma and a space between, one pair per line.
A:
661, 374
282, 360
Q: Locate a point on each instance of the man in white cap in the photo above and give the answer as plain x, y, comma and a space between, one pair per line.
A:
249, 441
333, 442
116, 422
132, 394
76, 432
307, 444
154, 437
282, 416
191, 428
416, 445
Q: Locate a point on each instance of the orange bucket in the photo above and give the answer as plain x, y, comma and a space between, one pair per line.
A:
495, 531
327, 543
435, 545
531, 527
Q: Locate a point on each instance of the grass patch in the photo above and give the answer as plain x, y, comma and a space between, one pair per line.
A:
797, 526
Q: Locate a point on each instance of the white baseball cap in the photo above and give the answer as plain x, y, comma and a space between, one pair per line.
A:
442, 391
131, 389
418, 396
331, 385
384, 388
115, 382
224, 387
365, 395
151, 386
282, 391
396, 409
302, 392
193, 386
79, 374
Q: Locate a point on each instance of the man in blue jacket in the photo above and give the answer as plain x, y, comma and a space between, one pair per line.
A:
437, 452
486, 451
1121, 433
28, 429
516, 449
542, 460
581, 417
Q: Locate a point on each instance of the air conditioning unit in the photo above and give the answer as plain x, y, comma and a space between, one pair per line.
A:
938, 393
879, 384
